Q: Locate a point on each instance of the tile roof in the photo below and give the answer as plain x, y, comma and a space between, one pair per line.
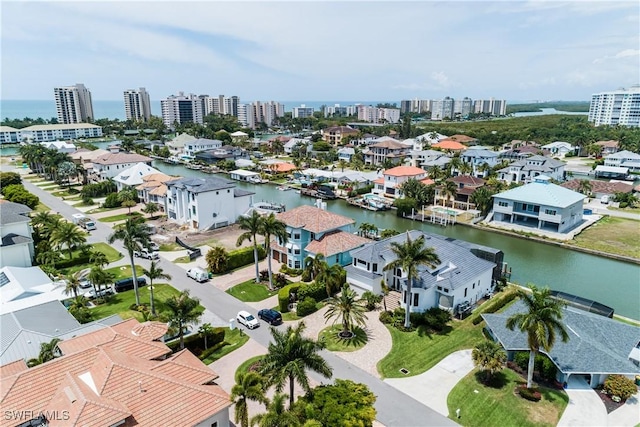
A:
462, 138
449, 144
120, 158
389, 143
467, 180
609, 144
427, 181
13, 368
546, 194
341, 129
11, 213
600, 186
312, 219
336, 243
200, 185
625, 154
282, 167
479, 152
404, 171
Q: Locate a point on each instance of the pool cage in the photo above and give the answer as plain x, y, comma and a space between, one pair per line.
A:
584, 304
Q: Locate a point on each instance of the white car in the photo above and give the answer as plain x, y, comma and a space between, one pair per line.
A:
101, 293
84, 283
245, 318
154, 246
146, 254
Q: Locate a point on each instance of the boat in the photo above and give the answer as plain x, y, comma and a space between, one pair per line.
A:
284, 188
194, 166
172, 160
255, 179
267, 207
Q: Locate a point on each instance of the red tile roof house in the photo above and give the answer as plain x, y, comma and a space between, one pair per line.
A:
312, 231
392, 179
121, 375
386, 148
465, 186
335, 135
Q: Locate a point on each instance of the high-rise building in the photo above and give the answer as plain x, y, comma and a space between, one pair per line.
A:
491, 106
183, 108
442, 109
137, 105
378, 115
251, 115
302, 112
73, 104
463, 106
618, 107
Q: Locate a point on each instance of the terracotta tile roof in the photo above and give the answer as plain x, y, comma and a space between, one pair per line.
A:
150, 330
341, 129
609, 144
404, 171
427, 181
313, 219
378, 181
391, 144
462, 138
13, 368
282, 167
159, 191
158, 177
467, 180
449, 144
600, 186
119, 158
186, 366
336, 243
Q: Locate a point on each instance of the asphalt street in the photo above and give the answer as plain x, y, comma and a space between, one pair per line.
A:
394, 408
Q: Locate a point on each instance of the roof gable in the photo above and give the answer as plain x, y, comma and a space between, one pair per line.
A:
312, 219
547, 194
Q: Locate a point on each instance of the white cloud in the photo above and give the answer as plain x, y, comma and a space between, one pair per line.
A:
627, 53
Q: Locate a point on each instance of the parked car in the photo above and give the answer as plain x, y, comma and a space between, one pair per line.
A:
154, 246
127, 284
100, 294
245, 318
198, 274
270, 316
84, 283
146, 254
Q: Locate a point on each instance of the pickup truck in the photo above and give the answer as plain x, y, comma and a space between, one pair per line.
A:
146, 254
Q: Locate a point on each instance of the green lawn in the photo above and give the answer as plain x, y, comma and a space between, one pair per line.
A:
99, 210
244, 366
182, 260
42, 208
124, 271
611, 235
112, 254
170, 247
80, 204
292, 315
482, 405
233, 340
249, 291
121, 217
335, 343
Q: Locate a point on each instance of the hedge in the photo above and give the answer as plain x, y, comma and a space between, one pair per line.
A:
494, 305
195, 342
621, 386
244, 256
306, 307
66, 263
315, 290
284, 294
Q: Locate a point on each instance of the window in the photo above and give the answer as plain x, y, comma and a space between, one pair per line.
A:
296, 236
214, 424
439, 288
472, 287
296, 264
296, 252
550, 212
193, 209
503, 204
193, 197
375, 268
313, 236
465, 292
217, 192
338, 258
416, 298
228, 191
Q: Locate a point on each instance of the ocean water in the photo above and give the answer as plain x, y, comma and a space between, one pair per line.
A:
46, 109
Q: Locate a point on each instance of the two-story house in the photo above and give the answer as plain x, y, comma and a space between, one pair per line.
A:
200, 144
477, 158
204, 204
385, 148
623, 159
111, 164
559, 148
466, 272
465, 186
133, 176
424, 141
392, 179
524, 171
154, 189
540, 205
15, 230
427, 158
335, 135
608, 147
312, 231
176, 145
346, 153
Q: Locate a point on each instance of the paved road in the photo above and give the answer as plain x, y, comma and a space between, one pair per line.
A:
395, 409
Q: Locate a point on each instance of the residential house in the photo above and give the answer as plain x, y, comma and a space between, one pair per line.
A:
427, 158
540, 205
608, 147
524, 171
346, 153
133, 176
10, 135
449, 145
426, 140
385, 148
154, 189
597, 346
200, 144
464, 139
111, 164
465, 274
624, 159
600, 188
522, 152
366, 139
203, 204
15, 230
335, 135
244, 175
294, 142
392, 179
465, 186
274, 166
120, 375
354, 179
226, 152
559, 149
477, 157
239, 136
177, 144
59, 146
312, 231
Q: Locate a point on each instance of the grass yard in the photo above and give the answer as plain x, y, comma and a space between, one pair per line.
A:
112, 254
482, 405
182, 260
42, 208
124, 271
335, 343
244, 366
612, 235
99, 210
250, 291
292, 315
170, 247
233, 340
121, 217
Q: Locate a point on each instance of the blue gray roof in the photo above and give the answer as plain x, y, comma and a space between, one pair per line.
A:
535, 163
238, 192
596, 343
457, 265
625, 154
480, 153
15, 239
13, 212
542, 193
200, 185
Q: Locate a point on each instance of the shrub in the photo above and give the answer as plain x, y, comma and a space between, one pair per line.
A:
284, 296
313, 290
87, 201
386, 317
531, 394
545, 367
405, 206
494, 305
244, 256
212, 349
99, 189
195, 342
111, 201
73, 191
290, 271
371, 300
521, 359
621, 386
264, 275
9, 178
306, 307
280, 280
16, 193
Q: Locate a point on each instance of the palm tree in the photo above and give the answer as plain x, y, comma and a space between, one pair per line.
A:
584, 187
348, 309
315, 265
249, 386
447, 191
99, 277
490, 357
276, 415
127, 199
466, 168
98, 258
409, 256
482, 198
47, 257
541, 323
272, 226
72, 284
333, 278
69, 235
205, 330
290, 356
435, 172
253, 225
47, 353
151, 208
135, 236
341, 164
183, 311
154, 272
217, 258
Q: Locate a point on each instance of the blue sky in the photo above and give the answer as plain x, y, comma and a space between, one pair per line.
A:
303, 50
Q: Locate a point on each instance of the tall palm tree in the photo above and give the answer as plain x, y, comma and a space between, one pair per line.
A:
253, 225
154, 272
276, 415
315, 265
47, 353
290, 356
69, 235
490, 357
182, 312
482, 198
584, 187
435, 172
72, 284
135, 236
333, 278
272, 226
409, 255
98, 258
349, 309
99, 277
465, 168
542, 323
448, 191
249, 386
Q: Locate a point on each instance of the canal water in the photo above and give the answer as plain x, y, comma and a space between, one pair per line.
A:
610, 282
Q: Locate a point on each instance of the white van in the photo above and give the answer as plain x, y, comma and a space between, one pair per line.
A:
198, 274
604, 199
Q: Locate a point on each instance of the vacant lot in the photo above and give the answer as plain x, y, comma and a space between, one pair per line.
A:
618, 236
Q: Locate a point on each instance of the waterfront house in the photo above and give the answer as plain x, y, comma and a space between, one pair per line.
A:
607, 147
154, 189
385, 148
465, 186
244, 175
276, 167
176, 145
624, 159
464, 274
427, 158
559, 149
111, 164
312, 231
346, 153
204, 204
226, 152
15, 230
120, 375
525, 170
597, 346
516, 152
477, 157
540, 205
335, 135
10, 135
133, 176
200, 144
426, 140
289, 146
60, 146
392, 179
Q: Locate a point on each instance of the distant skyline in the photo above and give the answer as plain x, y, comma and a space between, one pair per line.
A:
283, 51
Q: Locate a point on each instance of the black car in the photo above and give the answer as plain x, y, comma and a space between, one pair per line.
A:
270, 316
127, 284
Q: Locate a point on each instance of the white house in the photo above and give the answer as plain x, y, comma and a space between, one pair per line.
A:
292, 143
132, 177
526, 170
17, 243
204, 204
176, 145
154, 189
540, 205
559, 148
111, 164
243, 175
60, 146
345, 153
424, 141
200, 144
462, 275
478, 157
392, 179
624, 159
28, 286
53, 132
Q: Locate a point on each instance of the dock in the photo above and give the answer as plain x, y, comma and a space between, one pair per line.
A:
367, 204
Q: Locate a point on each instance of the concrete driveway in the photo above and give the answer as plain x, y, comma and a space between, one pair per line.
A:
585, 408
432, 387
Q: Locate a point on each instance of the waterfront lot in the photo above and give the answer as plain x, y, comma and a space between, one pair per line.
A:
619, 236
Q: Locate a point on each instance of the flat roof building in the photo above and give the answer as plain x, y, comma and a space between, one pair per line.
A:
73, 104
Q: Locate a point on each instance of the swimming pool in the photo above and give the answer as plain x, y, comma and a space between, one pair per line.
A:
438, 209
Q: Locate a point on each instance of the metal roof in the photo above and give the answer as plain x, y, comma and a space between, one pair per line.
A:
13, 213
542, 193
